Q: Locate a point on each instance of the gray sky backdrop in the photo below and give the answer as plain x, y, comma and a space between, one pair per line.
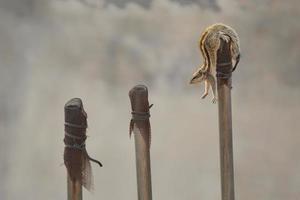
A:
54, 50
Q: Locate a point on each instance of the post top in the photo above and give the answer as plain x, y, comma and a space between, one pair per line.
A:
139, 98
139, 88
74, 112
75, 103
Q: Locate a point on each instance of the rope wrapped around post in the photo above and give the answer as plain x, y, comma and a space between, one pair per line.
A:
76, 158
140, 125
140, 110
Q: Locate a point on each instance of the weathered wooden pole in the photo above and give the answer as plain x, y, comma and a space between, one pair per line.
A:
76, 158
74, 189
75, 126
224, 71
140, 125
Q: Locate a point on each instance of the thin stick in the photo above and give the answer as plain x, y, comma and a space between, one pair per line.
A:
225, 120
142, 166
74, 190
141, 128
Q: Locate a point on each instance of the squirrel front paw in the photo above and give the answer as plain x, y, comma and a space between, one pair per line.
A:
214, 100
204, 95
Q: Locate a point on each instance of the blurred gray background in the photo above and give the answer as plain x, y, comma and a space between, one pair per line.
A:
54, 50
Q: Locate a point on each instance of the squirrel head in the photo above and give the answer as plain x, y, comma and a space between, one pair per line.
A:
198, 76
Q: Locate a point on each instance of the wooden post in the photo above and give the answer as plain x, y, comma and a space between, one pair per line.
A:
140, 125
224, 70
75, 127
76, 158
74, 189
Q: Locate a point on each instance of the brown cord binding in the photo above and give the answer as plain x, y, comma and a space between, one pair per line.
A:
224, 70
137, 116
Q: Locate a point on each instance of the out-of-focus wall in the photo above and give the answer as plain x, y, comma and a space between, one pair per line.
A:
51, 51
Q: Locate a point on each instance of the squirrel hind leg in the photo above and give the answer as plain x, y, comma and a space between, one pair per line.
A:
212, 82
206, 88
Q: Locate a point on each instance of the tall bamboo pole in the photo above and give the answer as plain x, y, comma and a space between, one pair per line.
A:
140, 126
224, 70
